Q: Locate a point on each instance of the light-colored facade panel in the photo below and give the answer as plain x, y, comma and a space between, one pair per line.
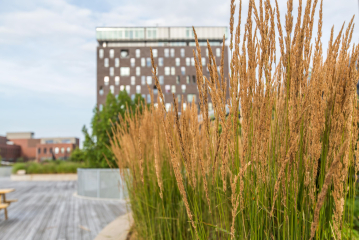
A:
19, 135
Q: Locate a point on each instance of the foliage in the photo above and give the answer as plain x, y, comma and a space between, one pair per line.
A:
284, 171
77, 155
48, 167
96, 149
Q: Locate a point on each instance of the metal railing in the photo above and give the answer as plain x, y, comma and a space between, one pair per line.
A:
100, 183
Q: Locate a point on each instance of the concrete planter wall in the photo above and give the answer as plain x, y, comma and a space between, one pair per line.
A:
5, 171
100, 183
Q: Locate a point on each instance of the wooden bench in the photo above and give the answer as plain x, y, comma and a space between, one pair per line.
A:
4, 203
4, 206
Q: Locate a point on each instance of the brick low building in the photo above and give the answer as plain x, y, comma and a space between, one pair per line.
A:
24, 145
124, 63
56, 148
8, 151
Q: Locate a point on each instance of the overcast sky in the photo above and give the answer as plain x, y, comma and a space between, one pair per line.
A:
48, 52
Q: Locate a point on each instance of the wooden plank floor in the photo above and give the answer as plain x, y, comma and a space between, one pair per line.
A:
49, 211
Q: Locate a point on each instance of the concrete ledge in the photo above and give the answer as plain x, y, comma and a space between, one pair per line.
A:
118, 229
45, 177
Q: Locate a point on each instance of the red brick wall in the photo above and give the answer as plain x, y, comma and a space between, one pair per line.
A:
28, 147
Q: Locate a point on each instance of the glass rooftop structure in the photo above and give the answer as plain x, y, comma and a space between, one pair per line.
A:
154, 34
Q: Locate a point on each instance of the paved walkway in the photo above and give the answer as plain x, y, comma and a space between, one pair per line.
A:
49, 211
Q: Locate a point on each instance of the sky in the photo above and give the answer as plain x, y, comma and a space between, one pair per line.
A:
48, 52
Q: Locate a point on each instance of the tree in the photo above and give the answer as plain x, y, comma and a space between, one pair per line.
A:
96, 148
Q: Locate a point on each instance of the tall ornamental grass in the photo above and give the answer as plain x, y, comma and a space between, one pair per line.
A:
284, 170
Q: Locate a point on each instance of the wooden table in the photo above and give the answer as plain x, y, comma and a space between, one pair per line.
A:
3, 199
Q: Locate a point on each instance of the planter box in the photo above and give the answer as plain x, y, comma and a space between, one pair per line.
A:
101, 183
5, 171
45, 177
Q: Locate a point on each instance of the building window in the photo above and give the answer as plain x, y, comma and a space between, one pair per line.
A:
133, 61
133, 80
62, 150
125, 71
112, 89
101, 91
143, 80
203, 61
191, 97
112, 71
167, 52
138, 89
173, 89
149, 62
138, 71
149, 80
50, 150
117, 80
179, 97
192, 61
194, 79
168, 106
100, 108
182, 52
188, 61
177, 79
178, 61
167, 88
122, 87
143, 62
100, 53
172, 52
57, 149
206, 52
105, 62
128, 89
183, 88
155, 90
117, 62
183, 70
148, 98
218, 52
106, 80
184, 106
138, 53
68, 150
187, 79
173, 70
210, 106
112, 53
160, 62
124, 53
161, 80
154, 53
167, 70
39, 150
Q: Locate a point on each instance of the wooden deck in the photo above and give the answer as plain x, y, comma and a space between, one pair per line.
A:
49, 211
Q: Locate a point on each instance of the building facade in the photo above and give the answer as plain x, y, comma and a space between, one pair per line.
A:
124, 61
56, 148
24, 145
8, 151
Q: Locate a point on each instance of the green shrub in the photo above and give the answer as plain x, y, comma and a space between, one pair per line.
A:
18, 166
48, 167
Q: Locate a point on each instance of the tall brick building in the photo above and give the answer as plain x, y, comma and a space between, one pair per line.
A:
124, 63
